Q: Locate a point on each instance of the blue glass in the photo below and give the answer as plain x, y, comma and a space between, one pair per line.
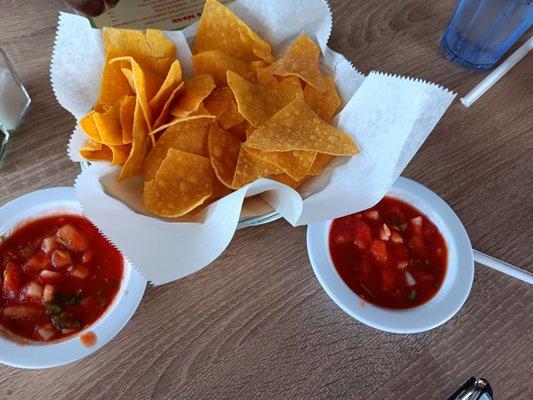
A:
481, 31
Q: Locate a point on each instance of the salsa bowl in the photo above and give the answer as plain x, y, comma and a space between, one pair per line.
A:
24, 353
441, 307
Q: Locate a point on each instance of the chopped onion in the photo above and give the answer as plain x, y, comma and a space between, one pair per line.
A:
395, 237
48, 244
61, 258
33, 290
80, 271
50, 274
403, 264
73, 239
417, 221
373, 215
48, 293
409, 278
87, 257
66, 331
384, 233
45, 332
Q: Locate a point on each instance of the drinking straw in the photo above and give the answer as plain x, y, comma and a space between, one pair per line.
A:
495, 75
503, 267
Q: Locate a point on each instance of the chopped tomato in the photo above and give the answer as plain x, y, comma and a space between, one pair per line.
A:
73, 239
417, 245
36, 263
87, 257
388, 280
344, 237
362, 233
21, 311
400, 252
12, 280
379, 250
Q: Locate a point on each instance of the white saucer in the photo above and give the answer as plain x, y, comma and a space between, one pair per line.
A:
63, 200
446, 303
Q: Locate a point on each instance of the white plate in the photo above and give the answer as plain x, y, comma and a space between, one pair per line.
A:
448, 300
53, 201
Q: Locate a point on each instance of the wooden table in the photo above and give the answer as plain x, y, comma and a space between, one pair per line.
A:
256, 323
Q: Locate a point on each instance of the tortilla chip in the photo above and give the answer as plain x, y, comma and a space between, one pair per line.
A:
255, 65
219, 190
141, 144
109, 126
297, 127
287, 180
182, 183
179, 120
216, 64
250, 168
224, 152
324, 104
250, 76
190, 136
128, 73
320, 163
153, 43
301, 60
219, 101
93, 151
258, 103
151, 49
120, 153
250, 130
89, 127
294, 163
239, 131
171, 82
231, 117
238, 40
265, 78
194, 92
146, 85
159, 45
127, 109
165, 112
114, 85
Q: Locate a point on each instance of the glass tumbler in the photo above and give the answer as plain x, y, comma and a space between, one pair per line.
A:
481, 31
14, 101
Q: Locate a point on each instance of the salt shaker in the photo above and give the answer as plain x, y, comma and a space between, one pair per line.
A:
14, 101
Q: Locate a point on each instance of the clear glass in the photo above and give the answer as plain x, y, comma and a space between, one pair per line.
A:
14, 101
481, 31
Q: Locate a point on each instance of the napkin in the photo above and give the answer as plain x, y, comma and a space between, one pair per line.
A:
388, 116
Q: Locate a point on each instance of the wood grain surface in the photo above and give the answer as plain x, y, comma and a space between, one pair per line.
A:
256, 323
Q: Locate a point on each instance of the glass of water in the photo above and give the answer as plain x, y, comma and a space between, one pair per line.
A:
482, 30
14, 101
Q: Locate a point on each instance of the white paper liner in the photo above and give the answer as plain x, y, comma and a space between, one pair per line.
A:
388, 116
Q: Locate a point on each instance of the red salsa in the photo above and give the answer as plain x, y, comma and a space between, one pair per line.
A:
58, 275
391, 255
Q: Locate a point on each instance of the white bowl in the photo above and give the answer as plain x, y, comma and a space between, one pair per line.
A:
448, 300
45, 355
